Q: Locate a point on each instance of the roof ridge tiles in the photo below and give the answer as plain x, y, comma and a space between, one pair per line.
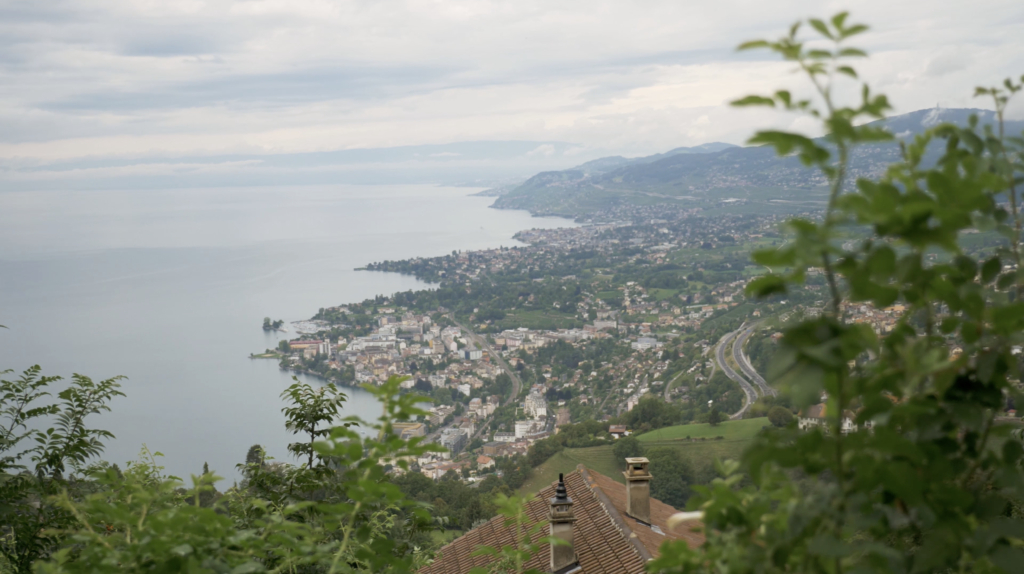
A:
620, 524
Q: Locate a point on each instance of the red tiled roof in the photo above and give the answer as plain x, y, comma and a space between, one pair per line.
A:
606, 540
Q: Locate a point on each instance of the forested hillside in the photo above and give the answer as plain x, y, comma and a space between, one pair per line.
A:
745, 179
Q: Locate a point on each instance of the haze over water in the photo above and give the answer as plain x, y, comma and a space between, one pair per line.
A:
169, 288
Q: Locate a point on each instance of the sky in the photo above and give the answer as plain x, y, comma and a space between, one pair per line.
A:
157, 83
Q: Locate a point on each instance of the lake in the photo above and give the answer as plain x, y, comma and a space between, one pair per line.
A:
169, 288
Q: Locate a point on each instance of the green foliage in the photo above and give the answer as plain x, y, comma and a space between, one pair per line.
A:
780, 416
671, 476
28, 514
312, 412
715, 416
929, 480
341, 517
627, 447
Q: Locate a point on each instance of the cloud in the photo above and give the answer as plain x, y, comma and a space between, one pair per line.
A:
142, 78
544, 149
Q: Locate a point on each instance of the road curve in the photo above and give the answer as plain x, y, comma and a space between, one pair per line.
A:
748, 369
729, 372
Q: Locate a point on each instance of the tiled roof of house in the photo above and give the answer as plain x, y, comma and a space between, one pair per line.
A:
818, 411
606, 540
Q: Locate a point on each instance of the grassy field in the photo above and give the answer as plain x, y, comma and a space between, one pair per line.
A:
699, 455
598, 458
731, 430
661, 294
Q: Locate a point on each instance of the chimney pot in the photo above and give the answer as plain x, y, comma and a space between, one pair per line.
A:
638, 489
561, 518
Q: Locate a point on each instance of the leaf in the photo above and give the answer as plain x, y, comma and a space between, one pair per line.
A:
990, 269
821, 27
839, 19
853, 53
847, 70
766, 286
753, 101
854, 30
753, 45
182, 550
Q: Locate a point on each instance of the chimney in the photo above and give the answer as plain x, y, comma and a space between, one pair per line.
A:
563, 556
638, 489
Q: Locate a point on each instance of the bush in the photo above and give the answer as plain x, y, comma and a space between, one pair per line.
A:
779, 416
935, 484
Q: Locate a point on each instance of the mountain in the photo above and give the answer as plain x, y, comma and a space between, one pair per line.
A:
716, 176
606, 164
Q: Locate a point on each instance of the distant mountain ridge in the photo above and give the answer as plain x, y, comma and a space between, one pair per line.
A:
714, 175
606, 164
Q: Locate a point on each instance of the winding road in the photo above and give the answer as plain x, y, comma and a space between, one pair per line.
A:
748, 369
729, 372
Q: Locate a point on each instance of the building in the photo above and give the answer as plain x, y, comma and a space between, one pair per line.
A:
316, 347
409, 430
524, 428
439, 413
817, 416
504, 437
644, 343
453, 439
495, 448
472, 354
484, 462
536, 405
618, 431
606, 527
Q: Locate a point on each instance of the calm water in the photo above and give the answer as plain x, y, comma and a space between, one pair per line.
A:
169, 288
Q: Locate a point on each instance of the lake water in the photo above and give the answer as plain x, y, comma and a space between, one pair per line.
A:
169, 288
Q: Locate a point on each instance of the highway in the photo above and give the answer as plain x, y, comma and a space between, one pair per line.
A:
729, 372
748, 369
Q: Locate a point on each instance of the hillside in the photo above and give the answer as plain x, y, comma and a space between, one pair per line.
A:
714, 176
699, 453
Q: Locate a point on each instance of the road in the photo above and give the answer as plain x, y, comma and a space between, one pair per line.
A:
517, 384
748, 369
729, 372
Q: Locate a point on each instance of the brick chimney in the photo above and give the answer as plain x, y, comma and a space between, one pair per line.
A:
563, 556
638, 489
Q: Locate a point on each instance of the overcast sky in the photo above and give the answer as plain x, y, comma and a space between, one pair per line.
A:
134, 78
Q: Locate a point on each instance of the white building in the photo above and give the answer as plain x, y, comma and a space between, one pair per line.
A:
524, 428
536, 406
644, 343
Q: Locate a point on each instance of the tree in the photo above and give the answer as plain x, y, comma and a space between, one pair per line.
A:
284, 347
715, 416
671, 477
312, 412
254, 455
927, 480
780, 416
627, 447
